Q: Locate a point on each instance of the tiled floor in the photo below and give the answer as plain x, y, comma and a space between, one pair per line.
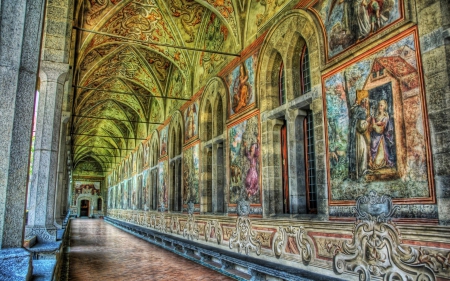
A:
99, 251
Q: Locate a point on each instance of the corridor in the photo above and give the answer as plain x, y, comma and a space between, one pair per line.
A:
99, 251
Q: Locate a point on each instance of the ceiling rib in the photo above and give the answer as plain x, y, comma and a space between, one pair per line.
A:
103, 147
102, 136
127, 93
145, 43
113, 119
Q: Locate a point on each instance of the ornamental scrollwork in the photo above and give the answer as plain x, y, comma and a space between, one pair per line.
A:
191, 228
293, 240
376, 248
244, 238
175, 225
161, 223
212, 229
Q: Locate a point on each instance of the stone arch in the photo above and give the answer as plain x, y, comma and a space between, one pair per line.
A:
282, 124
298, 28
175, 139
92, 205
213, 114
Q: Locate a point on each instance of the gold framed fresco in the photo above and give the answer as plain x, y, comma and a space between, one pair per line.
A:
244, 166
242, 86
191, 174
376, 126
347, 23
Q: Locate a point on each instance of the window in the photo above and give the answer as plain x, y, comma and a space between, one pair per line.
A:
304, 71
281, 84
311, 189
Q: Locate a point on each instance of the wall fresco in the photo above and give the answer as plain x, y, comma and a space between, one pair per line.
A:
350, 21
191, 175
145, 199
376, 131
215, 38
191, 121
241, 84
163, 140
163, 184
244, 161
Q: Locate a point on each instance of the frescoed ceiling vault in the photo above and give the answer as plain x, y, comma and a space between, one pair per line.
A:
138, 61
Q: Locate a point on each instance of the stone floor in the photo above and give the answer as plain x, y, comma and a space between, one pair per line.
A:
99, 251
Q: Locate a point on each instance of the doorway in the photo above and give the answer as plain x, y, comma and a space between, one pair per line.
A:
84, 208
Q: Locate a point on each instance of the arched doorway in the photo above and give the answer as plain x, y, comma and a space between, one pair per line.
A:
84, 208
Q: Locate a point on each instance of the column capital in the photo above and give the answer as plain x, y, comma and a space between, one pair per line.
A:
53, 71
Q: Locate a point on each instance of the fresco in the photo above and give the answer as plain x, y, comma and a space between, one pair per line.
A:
163, 184
189, 15
134, 193
191, 121
146, 154
376, 131
215, 38
191, 175
119, 196
241, 82
163, 141
348, 22
145, 199
125, 195
244, 161
84, 187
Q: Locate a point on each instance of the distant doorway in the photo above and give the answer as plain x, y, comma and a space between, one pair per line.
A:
84, 208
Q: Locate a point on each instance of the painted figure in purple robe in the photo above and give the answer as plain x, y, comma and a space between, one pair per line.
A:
381, 139
252, 179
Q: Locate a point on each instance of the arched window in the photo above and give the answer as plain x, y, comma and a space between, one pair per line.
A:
281, 85
305, 77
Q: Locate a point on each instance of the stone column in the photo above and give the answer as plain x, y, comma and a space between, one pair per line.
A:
20, 38
41, 216
60, 187
296, 159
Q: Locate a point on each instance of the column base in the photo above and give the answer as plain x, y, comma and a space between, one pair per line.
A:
15, 265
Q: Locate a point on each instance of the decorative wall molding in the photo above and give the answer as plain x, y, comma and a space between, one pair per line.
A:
376, 249
191, 228
294, 239
244, 238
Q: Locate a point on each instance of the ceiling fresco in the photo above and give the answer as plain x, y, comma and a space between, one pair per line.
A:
139, 61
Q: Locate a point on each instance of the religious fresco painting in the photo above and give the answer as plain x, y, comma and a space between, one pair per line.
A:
191, 121
135, 193
119, 196
163, 184
245, 157
145, 190
164, 133
125, 195
191, 175
241, 82
375, 125
348, 22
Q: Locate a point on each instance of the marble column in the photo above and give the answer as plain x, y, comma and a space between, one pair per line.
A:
60, 187
20, 38
41, 216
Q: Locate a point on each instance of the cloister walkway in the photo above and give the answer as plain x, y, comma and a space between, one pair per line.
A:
100, 251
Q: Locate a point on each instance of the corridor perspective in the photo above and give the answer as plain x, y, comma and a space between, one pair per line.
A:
101, 252
275, 140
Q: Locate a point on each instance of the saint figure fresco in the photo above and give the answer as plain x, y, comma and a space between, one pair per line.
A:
375, 125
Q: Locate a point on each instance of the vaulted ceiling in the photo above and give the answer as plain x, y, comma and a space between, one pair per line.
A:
137, 61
